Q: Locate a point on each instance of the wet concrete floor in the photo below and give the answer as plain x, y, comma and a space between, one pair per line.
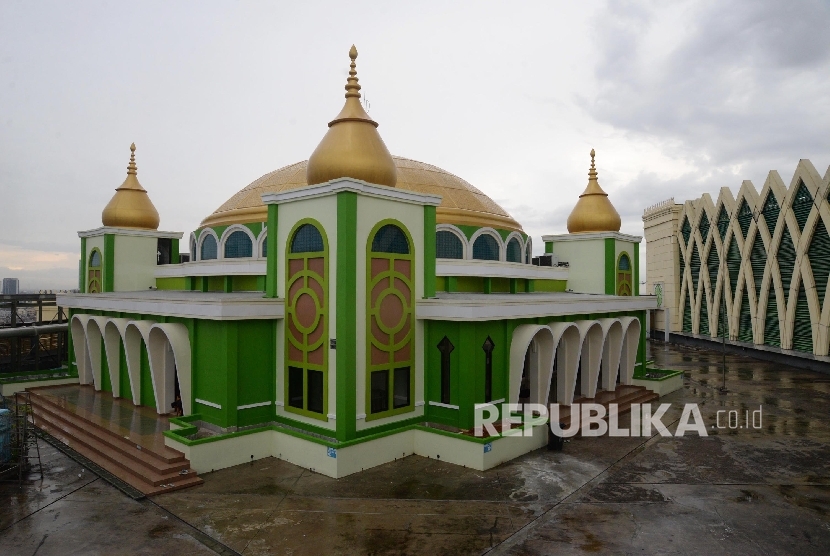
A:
738, 491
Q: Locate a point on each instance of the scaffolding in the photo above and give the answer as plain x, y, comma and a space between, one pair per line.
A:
19, 447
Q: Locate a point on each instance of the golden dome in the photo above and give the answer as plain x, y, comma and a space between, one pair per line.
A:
461, 203
352, 146
131, 207
593, 212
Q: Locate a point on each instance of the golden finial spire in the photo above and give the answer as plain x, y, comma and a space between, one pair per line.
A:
352, 88
131, 207
352, 147
594, 211
131, 167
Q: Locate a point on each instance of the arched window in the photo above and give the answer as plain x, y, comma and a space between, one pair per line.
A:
265, 246
307, 239
390, 323
239, 246
192, 248
486, 248
306, 330
514, 251
624, 275
208, 248
94, 273
390, 239
448, 245
529, 252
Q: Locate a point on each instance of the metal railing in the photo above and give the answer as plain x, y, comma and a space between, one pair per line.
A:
33, 333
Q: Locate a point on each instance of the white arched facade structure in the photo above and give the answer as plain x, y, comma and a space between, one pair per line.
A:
114, 331
202, 236
491, 232
610, 344
237, 228
259, 245
169, 354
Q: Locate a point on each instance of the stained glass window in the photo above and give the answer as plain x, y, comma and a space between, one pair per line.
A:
514, 251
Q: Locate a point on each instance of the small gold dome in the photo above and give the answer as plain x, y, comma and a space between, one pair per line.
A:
352, 147
131, 207
593, 212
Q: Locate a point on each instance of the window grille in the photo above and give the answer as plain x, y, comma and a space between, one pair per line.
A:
307, 239
390, 239
448, 246
486, 248
208, 248
238, 246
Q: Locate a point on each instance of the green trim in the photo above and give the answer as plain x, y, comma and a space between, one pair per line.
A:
635, 287
372, 315
306, 347
174, 251
429, 251
541, 285
227, 284
548, 247
346, 325
176, 283
82, 267
109, 263
487, 285
610, 267
256, 228
452, 284
468, 230
271, 262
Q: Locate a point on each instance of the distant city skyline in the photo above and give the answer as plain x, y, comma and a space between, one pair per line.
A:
678, 99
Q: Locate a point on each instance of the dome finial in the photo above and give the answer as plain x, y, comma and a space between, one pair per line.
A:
352, 88
131, 167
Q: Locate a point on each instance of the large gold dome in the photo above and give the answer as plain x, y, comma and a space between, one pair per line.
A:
461, 203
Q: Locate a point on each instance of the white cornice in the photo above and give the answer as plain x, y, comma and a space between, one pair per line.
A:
593, 235
214, 267
129, 232
200, 305
348, 184
484, 307
497, 269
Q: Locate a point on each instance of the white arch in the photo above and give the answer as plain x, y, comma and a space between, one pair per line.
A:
193, 247
630, 344
611, 350
567, 360
260, 242
94, 337
79, 345
113, 336
202, 236
492, 232
134, 333
527, 251
591, 335
231, 229
466, 250
539, 373
169, 353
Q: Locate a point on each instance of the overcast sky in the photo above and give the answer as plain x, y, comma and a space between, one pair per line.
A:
677, 98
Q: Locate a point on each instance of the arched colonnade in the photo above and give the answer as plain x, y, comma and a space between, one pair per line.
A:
596, 351
168, 354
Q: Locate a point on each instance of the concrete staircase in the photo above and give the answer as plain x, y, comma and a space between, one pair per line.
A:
149, 470
624, 396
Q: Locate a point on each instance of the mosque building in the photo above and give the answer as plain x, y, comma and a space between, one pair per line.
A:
354, 308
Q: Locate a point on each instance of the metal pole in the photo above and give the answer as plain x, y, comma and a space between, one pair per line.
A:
723, 345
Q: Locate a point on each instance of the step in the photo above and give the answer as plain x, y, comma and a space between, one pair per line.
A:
180, 482
125, 455
167, 454
108, 460
121, 444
